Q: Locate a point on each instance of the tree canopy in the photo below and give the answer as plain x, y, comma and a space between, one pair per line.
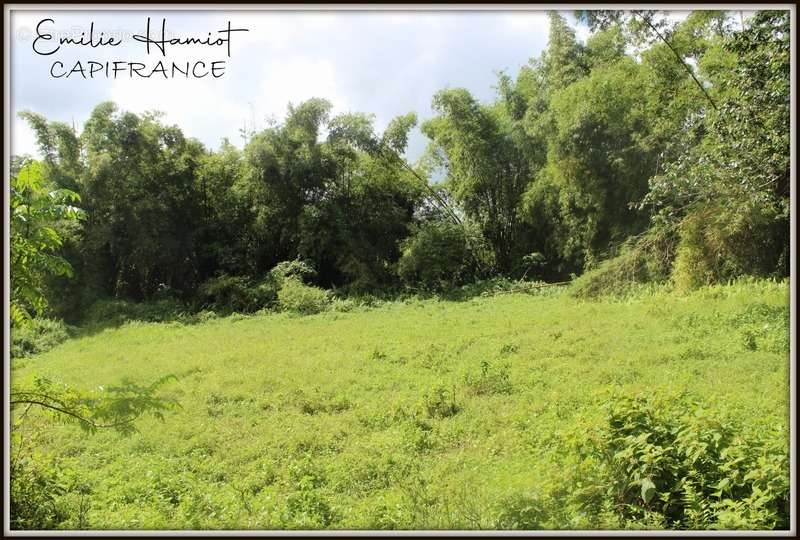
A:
650, 127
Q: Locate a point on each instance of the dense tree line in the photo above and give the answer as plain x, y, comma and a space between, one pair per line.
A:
649, 130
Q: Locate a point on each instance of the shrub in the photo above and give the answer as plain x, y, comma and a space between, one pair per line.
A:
494, 286
328, 403
296, 269
678, 464
699, 259
439, 402
642, 259
717, 246
113, 312
435, 257
343, 305
34, 493
204, 316
37, 336
490, 380
294, 295
386, 516
306, 507
521, 512
236, 294
417, 435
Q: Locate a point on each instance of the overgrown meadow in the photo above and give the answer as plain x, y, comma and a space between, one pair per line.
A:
309, 331
519, 410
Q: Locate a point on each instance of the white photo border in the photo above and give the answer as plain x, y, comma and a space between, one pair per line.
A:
8, 12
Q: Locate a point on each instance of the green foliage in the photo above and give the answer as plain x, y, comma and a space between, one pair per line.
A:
652, 124
563, 60
653, 159
296, 296
38, 211
521, 512
436, 257
40, 491
142, 203
296, 269
36, 337
234, 294
114, 407
439, 402
341, 204
597, 160
490, 380
35, 492
606, 47
222, 227
322, 403
640, 260
489, 165
714, 249
396, 134
694, 468
729, 186
104, 313
370, 418
491, 287
307, 509
700, 259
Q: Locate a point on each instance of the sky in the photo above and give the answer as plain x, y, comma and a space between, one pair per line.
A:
384, 63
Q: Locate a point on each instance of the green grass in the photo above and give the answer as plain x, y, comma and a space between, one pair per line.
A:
420, 414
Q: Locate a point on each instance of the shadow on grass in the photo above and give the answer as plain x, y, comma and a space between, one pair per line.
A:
114, 313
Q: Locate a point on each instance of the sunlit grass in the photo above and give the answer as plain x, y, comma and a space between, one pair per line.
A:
320, 421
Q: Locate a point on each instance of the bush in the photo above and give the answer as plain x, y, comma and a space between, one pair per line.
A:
494, 286
521, 512
236, 294
294, 295
642, 259
307, 509
490, 380
114, 312
700, 257
717, 245
676, 463
322, 403
436, 257
440, 402
37, 336
34, 493
296, 269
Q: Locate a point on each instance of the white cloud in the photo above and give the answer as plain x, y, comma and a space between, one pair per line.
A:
297, 81
23, 140
196, 108
385, 63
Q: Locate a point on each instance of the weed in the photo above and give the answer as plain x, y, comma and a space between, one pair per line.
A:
490, 380
439, 402
306, 423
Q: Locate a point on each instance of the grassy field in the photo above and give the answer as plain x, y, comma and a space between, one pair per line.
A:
419, 414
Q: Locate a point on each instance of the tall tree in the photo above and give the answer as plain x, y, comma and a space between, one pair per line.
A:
596, 159
728, 187
487, 168
563, 61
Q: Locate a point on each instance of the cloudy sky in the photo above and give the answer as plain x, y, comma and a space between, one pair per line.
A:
385, 63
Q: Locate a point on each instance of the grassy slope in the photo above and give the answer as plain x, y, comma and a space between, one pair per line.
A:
276, 402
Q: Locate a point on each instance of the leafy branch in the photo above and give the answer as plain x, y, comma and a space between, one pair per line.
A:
605, 18
115, 407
